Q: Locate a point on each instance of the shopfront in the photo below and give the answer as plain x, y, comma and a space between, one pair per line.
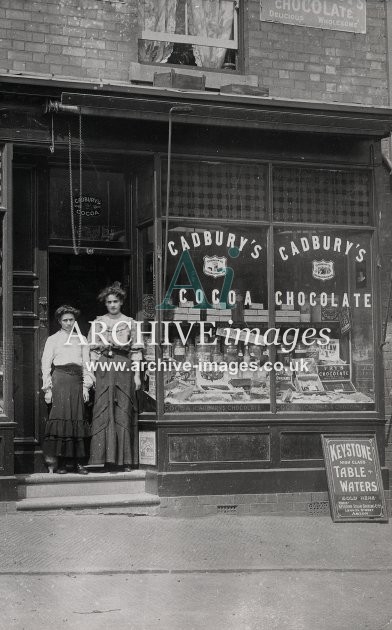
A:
271, 297
255, 274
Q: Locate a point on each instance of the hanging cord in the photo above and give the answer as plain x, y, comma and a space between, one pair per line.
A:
51, 148
80, 181
76, 236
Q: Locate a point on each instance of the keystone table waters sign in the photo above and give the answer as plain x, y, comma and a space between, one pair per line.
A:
355, 485
347, 15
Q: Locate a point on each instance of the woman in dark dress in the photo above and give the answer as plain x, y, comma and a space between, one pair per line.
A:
66, 382
115, 391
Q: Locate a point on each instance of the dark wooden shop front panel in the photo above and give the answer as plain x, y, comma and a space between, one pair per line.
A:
218, 447
26, 325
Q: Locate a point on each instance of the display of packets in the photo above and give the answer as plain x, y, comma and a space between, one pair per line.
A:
288, 316
219, 312
256, 313
185, 313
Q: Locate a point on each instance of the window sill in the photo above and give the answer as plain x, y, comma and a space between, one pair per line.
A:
214, 80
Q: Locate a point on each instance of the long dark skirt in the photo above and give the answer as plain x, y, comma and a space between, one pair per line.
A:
66, 429
113, 411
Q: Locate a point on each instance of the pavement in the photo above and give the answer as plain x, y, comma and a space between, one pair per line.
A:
101, 571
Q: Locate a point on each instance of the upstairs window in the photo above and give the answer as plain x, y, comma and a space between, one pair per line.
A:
201, 33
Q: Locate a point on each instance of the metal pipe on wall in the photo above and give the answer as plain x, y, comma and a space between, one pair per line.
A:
178, 110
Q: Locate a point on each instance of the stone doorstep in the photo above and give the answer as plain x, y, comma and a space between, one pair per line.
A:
39, 478
52, 485
133, 502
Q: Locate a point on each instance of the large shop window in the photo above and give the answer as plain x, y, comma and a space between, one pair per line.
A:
323, 286
200, 33
216, 285
268, 316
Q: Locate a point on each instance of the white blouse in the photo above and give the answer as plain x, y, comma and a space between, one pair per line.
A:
56, 353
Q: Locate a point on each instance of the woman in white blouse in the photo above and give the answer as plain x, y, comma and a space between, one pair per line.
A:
66, 382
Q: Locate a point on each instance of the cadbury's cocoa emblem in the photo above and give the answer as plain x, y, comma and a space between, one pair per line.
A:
323, 269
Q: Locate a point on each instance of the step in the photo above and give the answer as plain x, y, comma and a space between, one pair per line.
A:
116, 503
41, 485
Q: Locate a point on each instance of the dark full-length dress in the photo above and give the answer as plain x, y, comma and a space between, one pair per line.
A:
115, 401
66, 429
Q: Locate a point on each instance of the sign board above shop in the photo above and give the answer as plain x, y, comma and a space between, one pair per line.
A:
346, 15
355, 486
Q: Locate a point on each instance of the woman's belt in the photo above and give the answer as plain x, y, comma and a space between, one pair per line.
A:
69, 368
110, 351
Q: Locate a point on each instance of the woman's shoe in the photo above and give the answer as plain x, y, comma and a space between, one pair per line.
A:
128, 469
81, 470
61, 471
51, 464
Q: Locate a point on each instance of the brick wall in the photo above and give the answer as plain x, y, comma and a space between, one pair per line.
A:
310, 63
97, 39
85, 39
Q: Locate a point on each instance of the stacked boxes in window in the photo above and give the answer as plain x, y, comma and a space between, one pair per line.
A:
256, 313
186, 314
218, 314
287, 314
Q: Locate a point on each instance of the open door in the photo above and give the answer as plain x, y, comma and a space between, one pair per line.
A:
77, 280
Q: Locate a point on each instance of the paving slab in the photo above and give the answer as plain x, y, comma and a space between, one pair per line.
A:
105, 542
80, 572
240, 601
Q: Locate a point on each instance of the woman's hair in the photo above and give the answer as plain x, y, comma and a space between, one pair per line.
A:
113, 289
63, 310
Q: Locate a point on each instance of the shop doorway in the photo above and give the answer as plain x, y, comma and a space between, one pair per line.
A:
77, 280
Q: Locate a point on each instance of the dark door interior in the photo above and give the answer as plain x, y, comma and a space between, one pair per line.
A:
77, 280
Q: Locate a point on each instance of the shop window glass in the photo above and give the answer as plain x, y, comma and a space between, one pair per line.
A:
217, 190
103, 208
216, 283
321, 196
201, 33
323, 284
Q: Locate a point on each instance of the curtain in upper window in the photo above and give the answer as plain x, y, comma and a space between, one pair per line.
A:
210, 19
159, 16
